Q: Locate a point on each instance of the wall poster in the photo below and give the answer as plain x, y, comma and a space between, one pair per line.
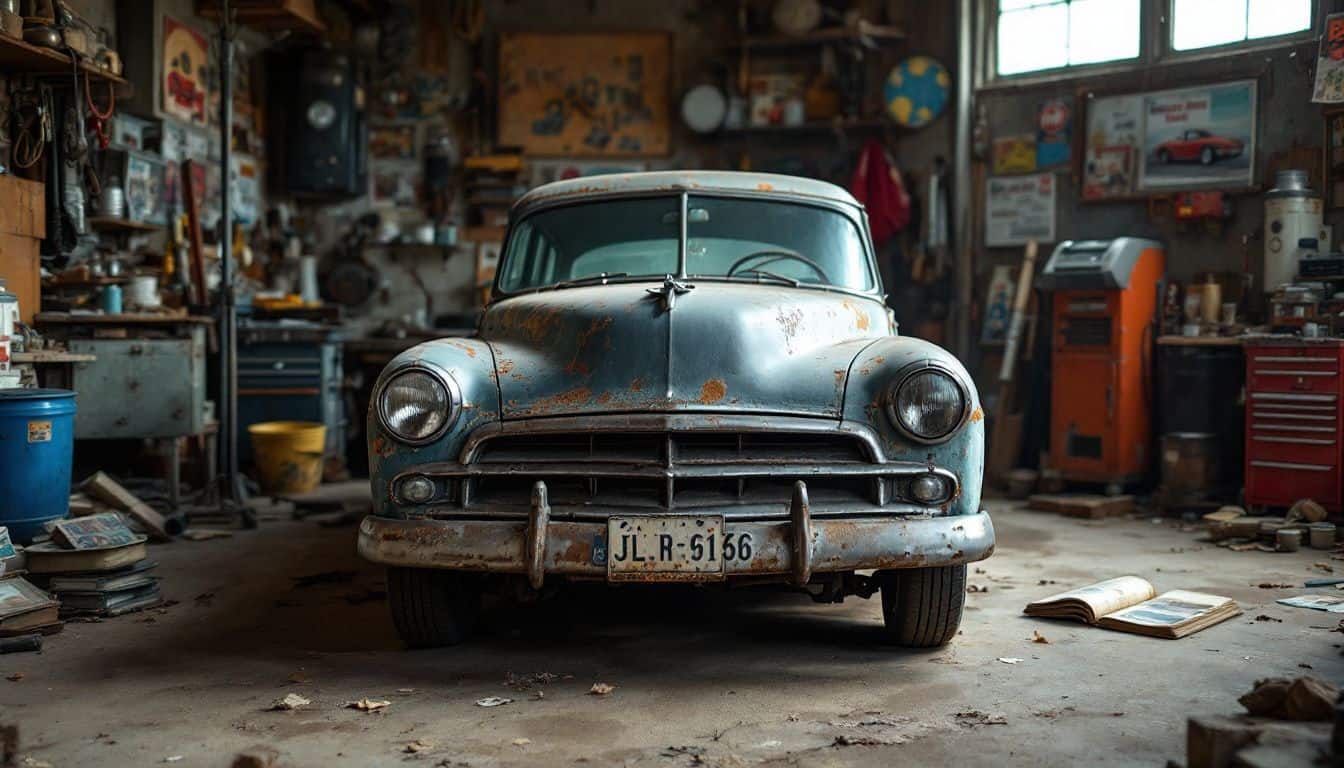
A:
1199, 137
563, 94
1330, 63
186, 68
1020, 208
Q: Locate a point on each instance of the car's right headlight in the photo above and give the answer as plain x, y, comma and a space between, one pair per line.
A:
417, 404
927, 403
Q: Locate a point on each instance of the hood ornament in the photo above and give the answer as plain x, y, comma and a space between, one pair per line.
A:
671, 288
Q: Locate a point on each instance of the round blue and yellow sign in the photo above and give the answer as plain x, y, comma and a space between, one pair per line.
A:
916, 91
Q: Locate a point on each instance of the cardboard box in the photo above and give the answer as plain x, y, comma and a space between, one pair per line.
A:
23, 224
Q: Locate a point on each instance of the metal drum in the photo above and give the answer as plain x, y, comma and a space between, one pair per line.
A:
37, 443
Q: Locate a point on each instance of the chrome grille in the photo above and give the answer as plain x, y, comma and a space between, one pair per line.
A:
674, 470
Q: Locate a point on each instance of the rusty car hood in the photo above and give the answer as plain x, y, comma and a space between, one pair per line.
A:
721, 347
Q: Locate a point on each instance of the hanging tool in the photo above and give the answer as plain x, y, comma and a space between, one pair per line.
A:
100, 117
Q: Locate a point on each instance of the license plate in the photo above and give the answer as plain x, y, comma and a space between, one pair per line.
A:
665, 548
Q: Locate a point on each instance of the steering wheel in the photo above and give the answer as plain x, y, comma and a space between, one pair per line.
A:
778, 255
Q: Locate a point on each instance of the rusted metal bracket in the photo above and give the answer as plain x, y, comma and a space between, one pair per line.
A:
800, 518
538, 519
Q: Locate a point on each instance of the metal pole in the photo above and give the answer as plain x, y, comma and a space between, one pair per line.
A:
233, 494
961, 183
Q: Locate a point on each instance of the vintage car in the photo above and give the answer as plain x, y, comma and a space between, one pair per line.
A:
1198, 145
681, 377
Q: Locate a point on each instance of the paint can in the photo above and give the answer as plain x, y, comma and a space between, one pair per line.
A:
143, 292
1322, 535
1287, 539
112, 299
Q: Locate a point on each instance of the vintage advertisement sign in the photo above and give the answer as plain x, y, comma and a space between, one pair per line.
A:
1114, 138
1020, 208
1015, 154
1330, 63
1199, 137
1054, 133
186, 64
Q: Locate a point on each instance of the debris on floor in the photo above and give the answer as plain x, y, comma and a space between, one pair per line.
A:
601, 689
368, 705
493, 701
1329, 603
974, 717
1304, 698
259, 756
291, 701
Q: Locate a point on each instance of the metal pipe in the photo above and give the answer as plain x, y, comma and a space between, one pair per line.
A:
961, 184
228, 331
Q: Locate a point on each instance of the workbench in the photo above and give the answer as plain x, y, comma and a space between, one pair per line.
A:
139, 376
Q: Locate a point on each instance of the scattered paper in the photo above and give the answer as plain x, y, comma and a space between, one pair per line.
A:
1331, 603
1010, 660
419, 745
1037, 637
14, 677
173, 759
601, 689
521, 742
493, 701
368, 705
289, 702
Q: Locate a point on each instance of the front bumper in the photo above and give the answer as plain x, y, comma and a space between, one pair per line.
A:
795, 548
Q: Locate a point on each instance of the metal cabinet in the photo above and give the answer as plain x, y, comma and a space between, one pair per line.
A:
140, 388
289, 374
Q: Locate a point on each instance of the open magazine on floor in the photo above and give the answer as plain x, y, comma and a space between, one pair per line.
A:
1130, 604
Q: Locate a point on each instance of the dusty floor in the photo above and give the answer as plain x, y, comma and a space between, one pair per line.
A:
741, 678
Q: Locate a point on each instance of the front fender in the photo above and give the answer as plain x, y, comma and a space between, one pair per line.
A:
866, 393
471, 363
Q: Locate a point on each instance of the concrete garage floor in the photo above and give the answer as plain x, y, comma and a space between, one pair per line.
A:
742, 678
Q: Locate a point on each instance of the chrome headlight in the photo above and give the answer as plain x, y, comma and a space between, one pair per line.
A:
927, 403
418, 403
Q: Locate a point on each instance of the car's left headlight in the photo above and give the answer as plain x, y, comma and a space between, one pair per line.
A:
927, 403
418, 403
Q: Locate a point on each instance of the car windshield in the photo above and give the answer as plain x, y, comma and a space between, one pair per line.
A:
728, 238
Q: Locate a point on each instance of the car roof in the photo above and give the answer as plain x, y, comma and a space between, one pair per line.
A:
691, 181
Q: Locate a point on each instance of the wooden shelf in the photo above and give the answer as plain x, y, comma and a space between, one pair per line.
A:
92, 282
866, 32
18, 57
269, 15
816, 126
110, 224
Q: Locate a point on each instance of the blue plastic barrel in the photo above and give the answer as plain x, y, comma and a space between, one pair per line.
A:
37, 444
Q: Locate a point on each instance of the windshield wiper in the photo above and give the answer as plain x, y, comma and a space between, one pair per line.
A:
590, 280
763, 273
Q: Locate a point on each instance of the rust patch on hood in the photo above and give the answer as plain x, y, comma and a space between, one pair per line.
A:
765, 187
568, 399
636, 384
576, 364
861, 321
977, 415
505, 365
383, 447
713, 391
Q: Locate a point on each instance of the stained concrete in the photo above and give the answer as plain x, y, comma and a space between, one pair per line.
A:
739, 678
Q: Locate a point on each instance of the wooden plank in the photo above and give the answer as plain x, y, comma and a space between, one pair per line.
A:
1081, 505
50, 357
101, 486
17, 56
66, 318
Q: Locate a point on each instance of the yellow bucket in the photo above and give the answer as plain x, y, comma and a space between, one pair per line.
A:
288, 455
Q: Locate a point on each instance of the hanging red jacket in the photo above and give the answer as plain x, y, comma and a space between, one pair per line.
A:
877, 185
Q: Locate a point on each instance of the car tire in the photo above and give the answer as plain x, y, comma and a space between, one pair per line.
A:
1163, 156
1206, 156
922, 606
432, 608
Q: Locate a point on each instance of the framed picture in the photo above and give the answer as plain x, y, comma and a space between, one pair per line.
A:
145, 186
1199, 138
1334, 158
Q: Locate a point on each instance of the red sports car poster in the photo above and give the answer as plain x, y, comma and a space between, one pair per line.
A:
186, 66
1199, 137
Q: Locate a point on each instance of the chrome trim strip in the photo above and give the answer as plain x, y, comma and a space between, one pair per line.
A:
1292, 396
1293, 440
1278, 372
1290, 416
1291, 359
1292, 428
1291, 465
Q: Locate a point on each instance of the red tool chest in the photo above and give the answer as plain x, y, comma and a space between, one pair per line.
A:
1294, 422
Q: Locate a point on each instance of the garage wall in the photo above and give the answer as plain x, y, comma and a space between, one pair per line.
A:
1285, 119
